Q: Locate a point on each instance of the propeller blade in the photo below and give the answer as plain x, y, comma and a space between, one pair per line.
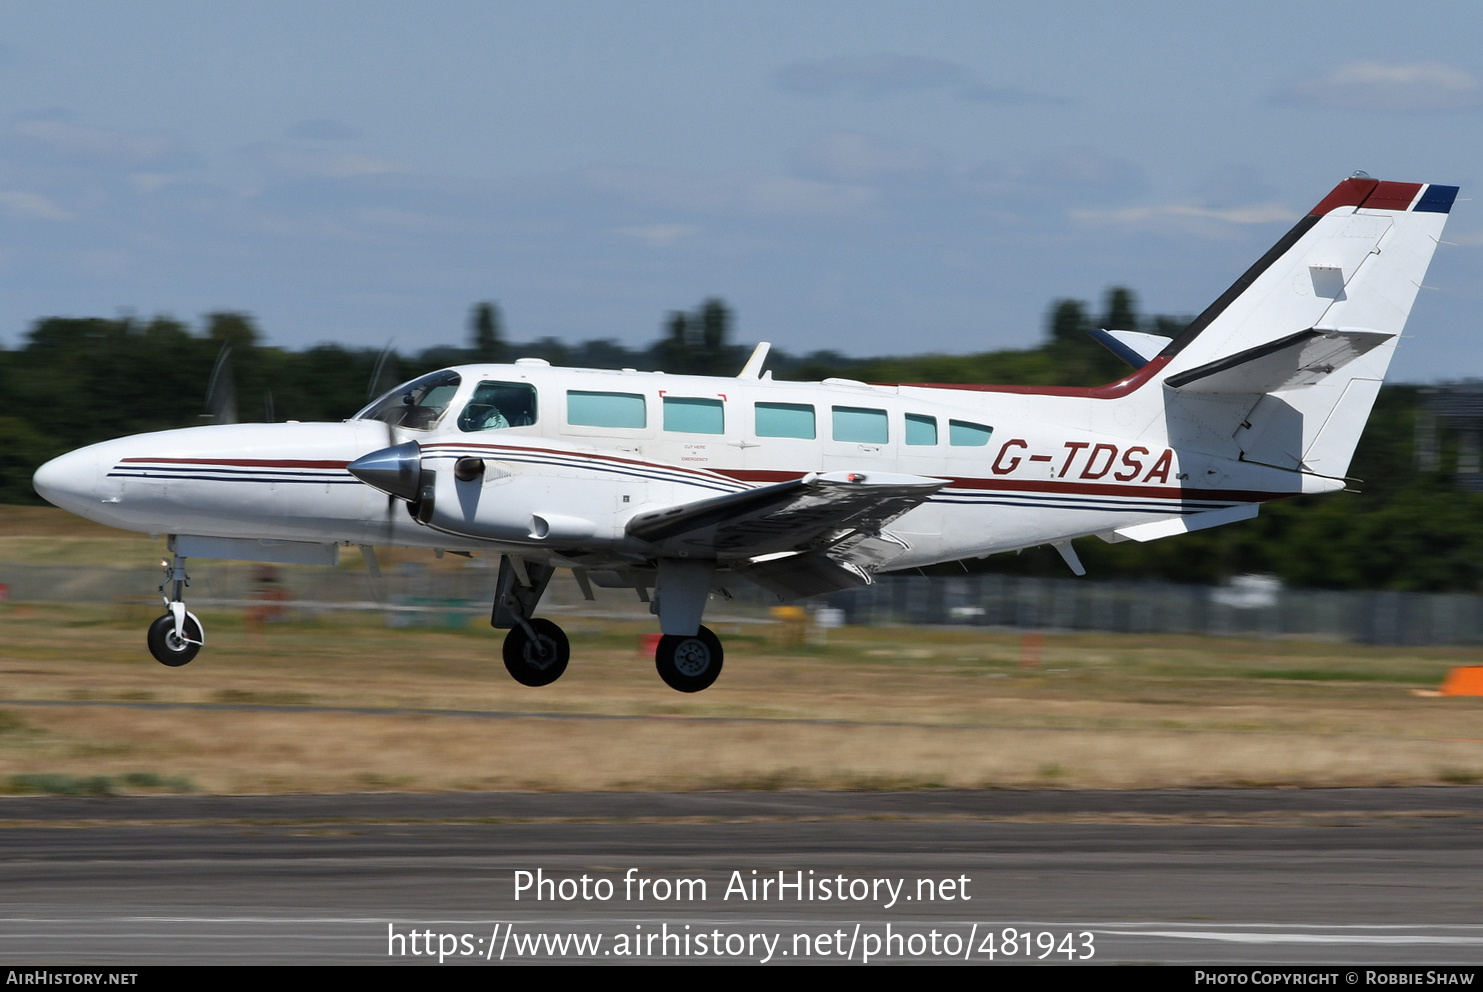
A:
221, 391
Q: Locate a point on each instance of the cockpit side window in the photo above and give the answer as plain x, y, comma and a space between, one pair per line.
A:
418, 404
495, 405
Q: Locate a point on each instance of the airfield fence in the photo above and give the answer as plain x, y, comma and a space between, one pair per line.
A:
411, 594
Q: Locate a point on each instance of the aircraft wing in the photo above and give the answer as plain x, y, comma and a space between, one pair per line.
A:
816, 511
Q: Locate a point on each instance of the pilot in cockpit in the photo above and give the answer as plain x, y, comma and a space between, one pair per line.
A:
497, 405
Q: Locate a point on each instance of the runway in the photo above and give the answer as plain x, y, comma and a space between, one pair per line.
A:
1265, 877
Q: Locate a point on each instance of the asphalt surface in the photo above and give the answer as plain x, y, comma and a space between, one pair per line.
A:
1346, 876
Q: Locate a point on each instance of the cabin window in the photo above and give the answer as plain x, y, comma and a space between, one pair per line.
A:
418, 404
921, 429
694, 416
625, 410
964, 434
853, 423
496, 405
785, 420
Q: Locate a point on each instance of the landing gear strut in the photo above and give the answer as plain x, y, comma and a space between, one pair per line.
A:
536, 651
175, 637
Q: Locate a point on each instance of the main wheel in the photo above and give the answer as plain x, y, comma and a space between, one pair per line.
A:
540, 661
167, 647
689, 664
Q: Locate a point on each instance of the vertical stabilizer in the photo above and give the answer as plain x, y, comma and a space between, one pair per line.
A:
1291, 357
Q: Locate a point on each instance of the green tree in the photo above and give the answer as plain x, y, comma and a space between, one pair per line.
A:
1122, 311
673, 350
715, 326
22, 450
1068, 322
488, 339
235, 329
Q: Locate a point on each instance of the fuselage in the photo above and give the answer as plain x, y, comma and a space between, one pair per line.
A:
572, 454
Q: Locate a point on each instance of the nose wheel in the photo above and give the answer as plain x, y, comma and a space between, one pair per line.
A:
170, 648
689, 663
175, 637
536, 652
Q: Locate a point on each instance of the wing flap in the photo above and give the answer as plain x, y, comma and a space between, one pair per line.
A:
789, 516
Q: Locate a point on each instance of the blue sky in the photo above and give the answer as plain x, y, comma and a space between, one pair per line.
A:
870, 177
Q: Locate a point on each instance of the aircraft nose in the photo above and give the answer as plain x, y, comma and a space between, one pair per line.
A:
69, 481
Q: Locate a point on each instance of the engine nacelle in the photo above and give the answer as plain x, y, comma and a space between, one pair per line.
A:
496, 504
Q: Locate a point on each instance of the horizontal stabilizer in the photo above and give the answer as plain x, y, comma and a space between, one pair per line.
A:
789, 516
1156, 529
1300, 359
1134, 347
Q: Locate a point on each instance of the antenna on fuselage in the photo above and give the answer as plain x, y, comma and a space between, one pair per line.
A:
753, 368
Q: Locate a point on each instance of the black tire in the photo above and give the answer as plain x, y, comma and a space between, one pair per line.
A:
169, 649
689, 664
538, 662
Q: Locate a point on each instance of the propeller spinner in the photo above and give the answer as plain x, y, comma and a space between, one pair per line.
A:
396, 471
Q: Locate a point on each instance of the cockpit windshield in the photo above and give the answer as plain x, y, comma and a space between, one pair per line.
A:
418, 404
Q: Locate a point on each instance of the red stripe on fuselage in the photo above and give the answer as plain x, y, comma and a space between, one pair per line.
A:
702, 472
1111, 391
1002, 485
774, 475
1057, 488
244, 462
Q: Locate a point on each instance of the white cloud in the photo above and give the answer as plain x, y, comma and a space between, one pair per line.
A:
659, 235
869, 76
1465, 238
730, 193
151, 182
848, 156
32, 205
1185, 217
321, 129
1076, 174
1418, 87
319, 163
873, 77
68, 141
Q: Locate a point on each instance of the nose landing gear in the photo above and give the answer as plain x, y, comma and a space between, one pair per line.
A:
172, 648
175, 637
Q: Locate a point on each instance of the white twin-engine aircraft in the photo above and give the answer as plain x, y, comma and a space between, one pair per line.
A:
687, 484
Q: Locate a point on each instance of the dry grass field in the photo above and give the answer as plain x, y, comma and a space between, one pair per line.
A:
344, 703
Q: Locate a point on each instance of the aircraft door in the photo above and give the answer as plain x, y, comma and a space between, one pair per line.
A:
859, 438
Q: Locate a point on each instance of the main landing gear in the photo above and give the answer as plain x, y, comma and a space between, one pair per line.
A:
536, 651
689, 664
175, 637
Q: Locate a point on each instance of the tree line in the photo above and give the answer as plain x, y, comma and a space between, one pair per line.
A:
75, 381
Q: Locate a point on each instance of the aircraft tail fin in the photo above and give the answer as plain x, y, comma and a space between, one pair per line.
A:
1296, 349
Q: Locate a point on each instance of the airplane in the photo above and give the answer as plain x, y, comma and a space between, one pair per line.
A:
686, 484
